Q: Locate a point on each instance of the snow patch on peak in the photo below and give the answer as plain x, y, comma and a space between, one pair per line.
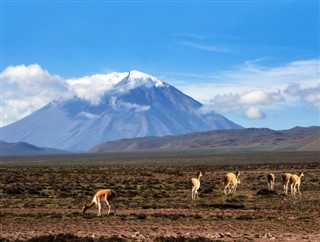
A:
137, 78
139, 75
93, 88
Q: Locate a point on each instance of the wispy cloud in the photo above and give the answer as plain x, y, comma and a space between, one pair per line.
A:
252, 87
204, 47
251, 76
194, 36
121, 105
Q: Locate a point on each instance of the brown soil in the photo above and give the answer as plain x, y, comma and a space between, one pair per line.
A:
148, 224
154, 202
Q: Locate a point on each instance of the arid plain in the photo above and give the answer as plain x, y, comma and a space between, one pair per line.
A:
42, 197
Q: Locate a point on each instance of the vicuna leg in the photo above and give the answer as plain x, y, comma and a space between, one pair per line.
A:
196, 195
299, 189
109, 207
270, 185
293, 189
234, 188
286, 187
99, 208
227, 189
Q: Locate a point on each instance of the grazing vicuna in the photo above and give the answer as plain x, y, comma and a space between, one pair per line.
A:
195, 186
286, 181
231, 182
295, 183
107, 195
271, 179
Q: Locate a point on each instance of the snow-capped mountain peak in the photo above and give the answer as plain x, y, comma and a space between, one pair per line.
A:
136, 78
93, 88
113, 106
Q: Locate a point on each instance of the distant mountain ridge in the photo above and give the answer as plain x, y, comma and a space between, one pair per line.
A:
127, 105
22, 148
298, 138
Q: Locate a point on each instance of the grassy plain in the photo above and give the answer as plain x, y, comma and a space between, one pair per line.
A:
43, 196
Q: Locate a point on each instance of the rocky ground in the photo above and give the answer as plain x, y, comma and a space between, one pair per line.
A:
154, 203
150, 224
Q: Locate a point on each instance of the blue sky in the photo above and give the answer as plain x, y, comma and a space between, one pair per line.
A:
255, 62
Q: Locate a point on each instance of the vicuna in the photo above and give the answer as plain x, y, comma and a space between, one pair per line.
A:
231, 182
107, 195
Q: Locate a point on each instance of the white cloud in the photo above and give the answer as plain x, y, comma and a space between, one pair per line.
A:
32, 80
133, 106
293, 89
250, 76
92, 88
88, 115
254, 113
232, 102
26, 74
121, 105
260, 97
225, 103
310, 94
27, 88
251, 85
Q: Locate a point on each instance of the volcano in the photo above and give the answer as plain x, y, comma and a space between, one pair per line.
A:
130, 104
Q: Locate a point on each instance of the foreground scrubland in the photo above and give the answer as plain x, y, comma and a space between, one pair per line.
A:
41, 199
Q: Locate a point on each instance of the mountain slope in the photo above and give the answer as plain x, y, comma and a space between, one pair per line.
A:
255, 139
132, 104
22, 148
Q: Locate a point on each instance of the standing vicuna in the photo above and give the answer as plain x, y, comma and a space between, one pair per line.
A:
271, 178
107, 195
195, 186
285, 181
231, 182
295, 183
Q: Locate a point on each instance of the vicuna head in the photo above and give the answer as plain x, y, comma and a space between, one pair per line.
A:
237, 176
301, 174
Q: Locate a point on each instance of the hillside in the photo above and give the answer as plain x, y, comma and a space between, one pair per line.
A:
298, 138
22, 148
